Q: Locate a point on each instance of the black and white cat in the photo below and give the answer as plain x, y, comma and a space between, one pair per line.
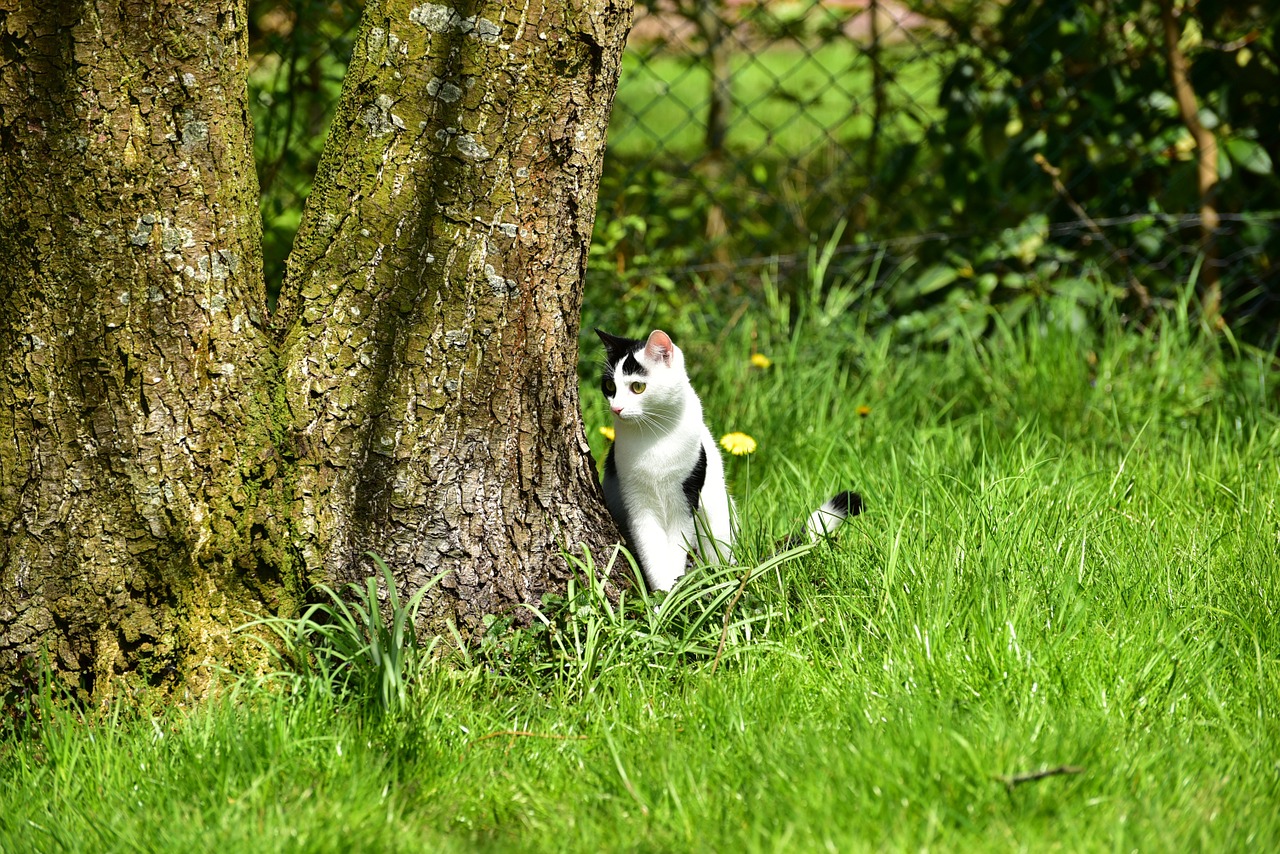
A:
664, 477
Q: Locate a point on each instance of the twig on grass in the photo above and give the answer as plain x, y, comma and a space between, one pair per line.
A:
724, 634
1011, 780
519, 733
1136, 288
513, 734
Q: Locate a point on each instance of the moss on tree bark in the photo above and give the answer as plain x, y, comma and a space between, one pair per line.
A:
162, 471
433, 297
131, 453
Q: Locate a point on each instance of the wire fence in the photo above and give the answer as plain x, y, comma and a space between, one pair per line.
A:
979, 151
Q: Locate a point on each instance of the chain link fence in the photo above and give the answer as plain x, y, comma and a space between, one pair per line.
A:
962, 154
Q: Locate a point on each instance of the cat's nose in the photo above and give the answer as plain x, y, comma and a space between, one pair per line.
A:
617, 410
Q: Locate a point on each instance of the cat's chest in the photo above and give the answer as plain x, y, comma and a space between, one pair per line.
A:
658, 465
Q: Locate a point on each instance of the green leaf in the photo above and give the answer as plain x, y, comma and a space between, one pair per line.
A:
1249, 155
935, 278
1162, 102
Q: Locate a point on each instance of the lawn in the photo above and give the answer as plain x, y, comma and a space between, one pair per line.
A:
790, 101
1068, 564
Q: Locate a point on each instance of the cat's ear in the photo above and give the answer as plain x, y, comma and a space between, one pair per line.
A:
614, 347
659, 347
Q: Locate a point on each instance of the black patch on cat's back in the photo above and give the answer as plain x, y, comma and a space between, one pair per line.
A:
692, 485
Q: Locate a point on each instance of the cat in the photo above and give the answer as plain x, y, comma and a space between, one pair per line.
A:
664, 479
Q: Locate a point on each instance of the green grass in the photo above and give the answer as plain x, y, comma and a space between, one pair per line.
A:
1070, 557
787, 101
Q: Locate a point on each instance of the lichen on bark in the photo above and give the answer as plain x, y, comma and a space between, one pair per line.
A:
452, 214
131, 327
171, 458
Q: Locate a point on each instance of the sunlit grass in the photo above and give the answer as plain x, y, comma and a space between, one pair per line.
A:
1068, 561
786, 99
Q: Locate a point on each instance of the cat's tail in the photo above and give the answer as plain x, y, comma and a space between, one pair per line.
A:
824, 521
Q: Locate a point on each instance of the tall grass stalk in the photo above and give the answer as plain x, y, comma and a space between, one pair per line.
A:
355, 645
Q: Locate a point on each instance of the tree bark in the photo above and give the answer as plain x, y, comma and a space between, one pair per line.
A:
432, 301
162, 474
135, 423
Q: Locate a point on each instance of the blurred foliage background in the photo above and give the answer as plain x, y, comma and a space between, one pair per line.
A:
959, 162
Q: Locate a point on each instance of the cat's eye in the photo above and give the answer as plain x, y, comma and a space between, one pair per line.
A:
610, 388
636, 388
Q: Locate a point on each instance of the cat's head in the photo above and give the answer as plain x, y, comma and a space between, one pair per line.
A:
644, 380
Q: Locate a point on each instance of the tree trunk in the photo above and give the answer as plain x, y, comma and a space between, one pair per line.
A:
135, 440
432, 301
160, 477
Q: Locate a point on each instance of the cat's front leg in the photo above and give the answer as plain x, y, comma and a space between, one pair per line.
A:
662, 558
712, 544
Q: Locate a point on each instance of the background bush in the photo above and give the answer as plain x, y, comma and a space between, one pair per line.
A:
971, 159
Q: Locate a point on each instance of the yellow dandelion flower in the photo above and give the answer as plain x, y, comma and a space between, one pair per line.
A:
760, 360
864, 411
738, 444
607, 432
